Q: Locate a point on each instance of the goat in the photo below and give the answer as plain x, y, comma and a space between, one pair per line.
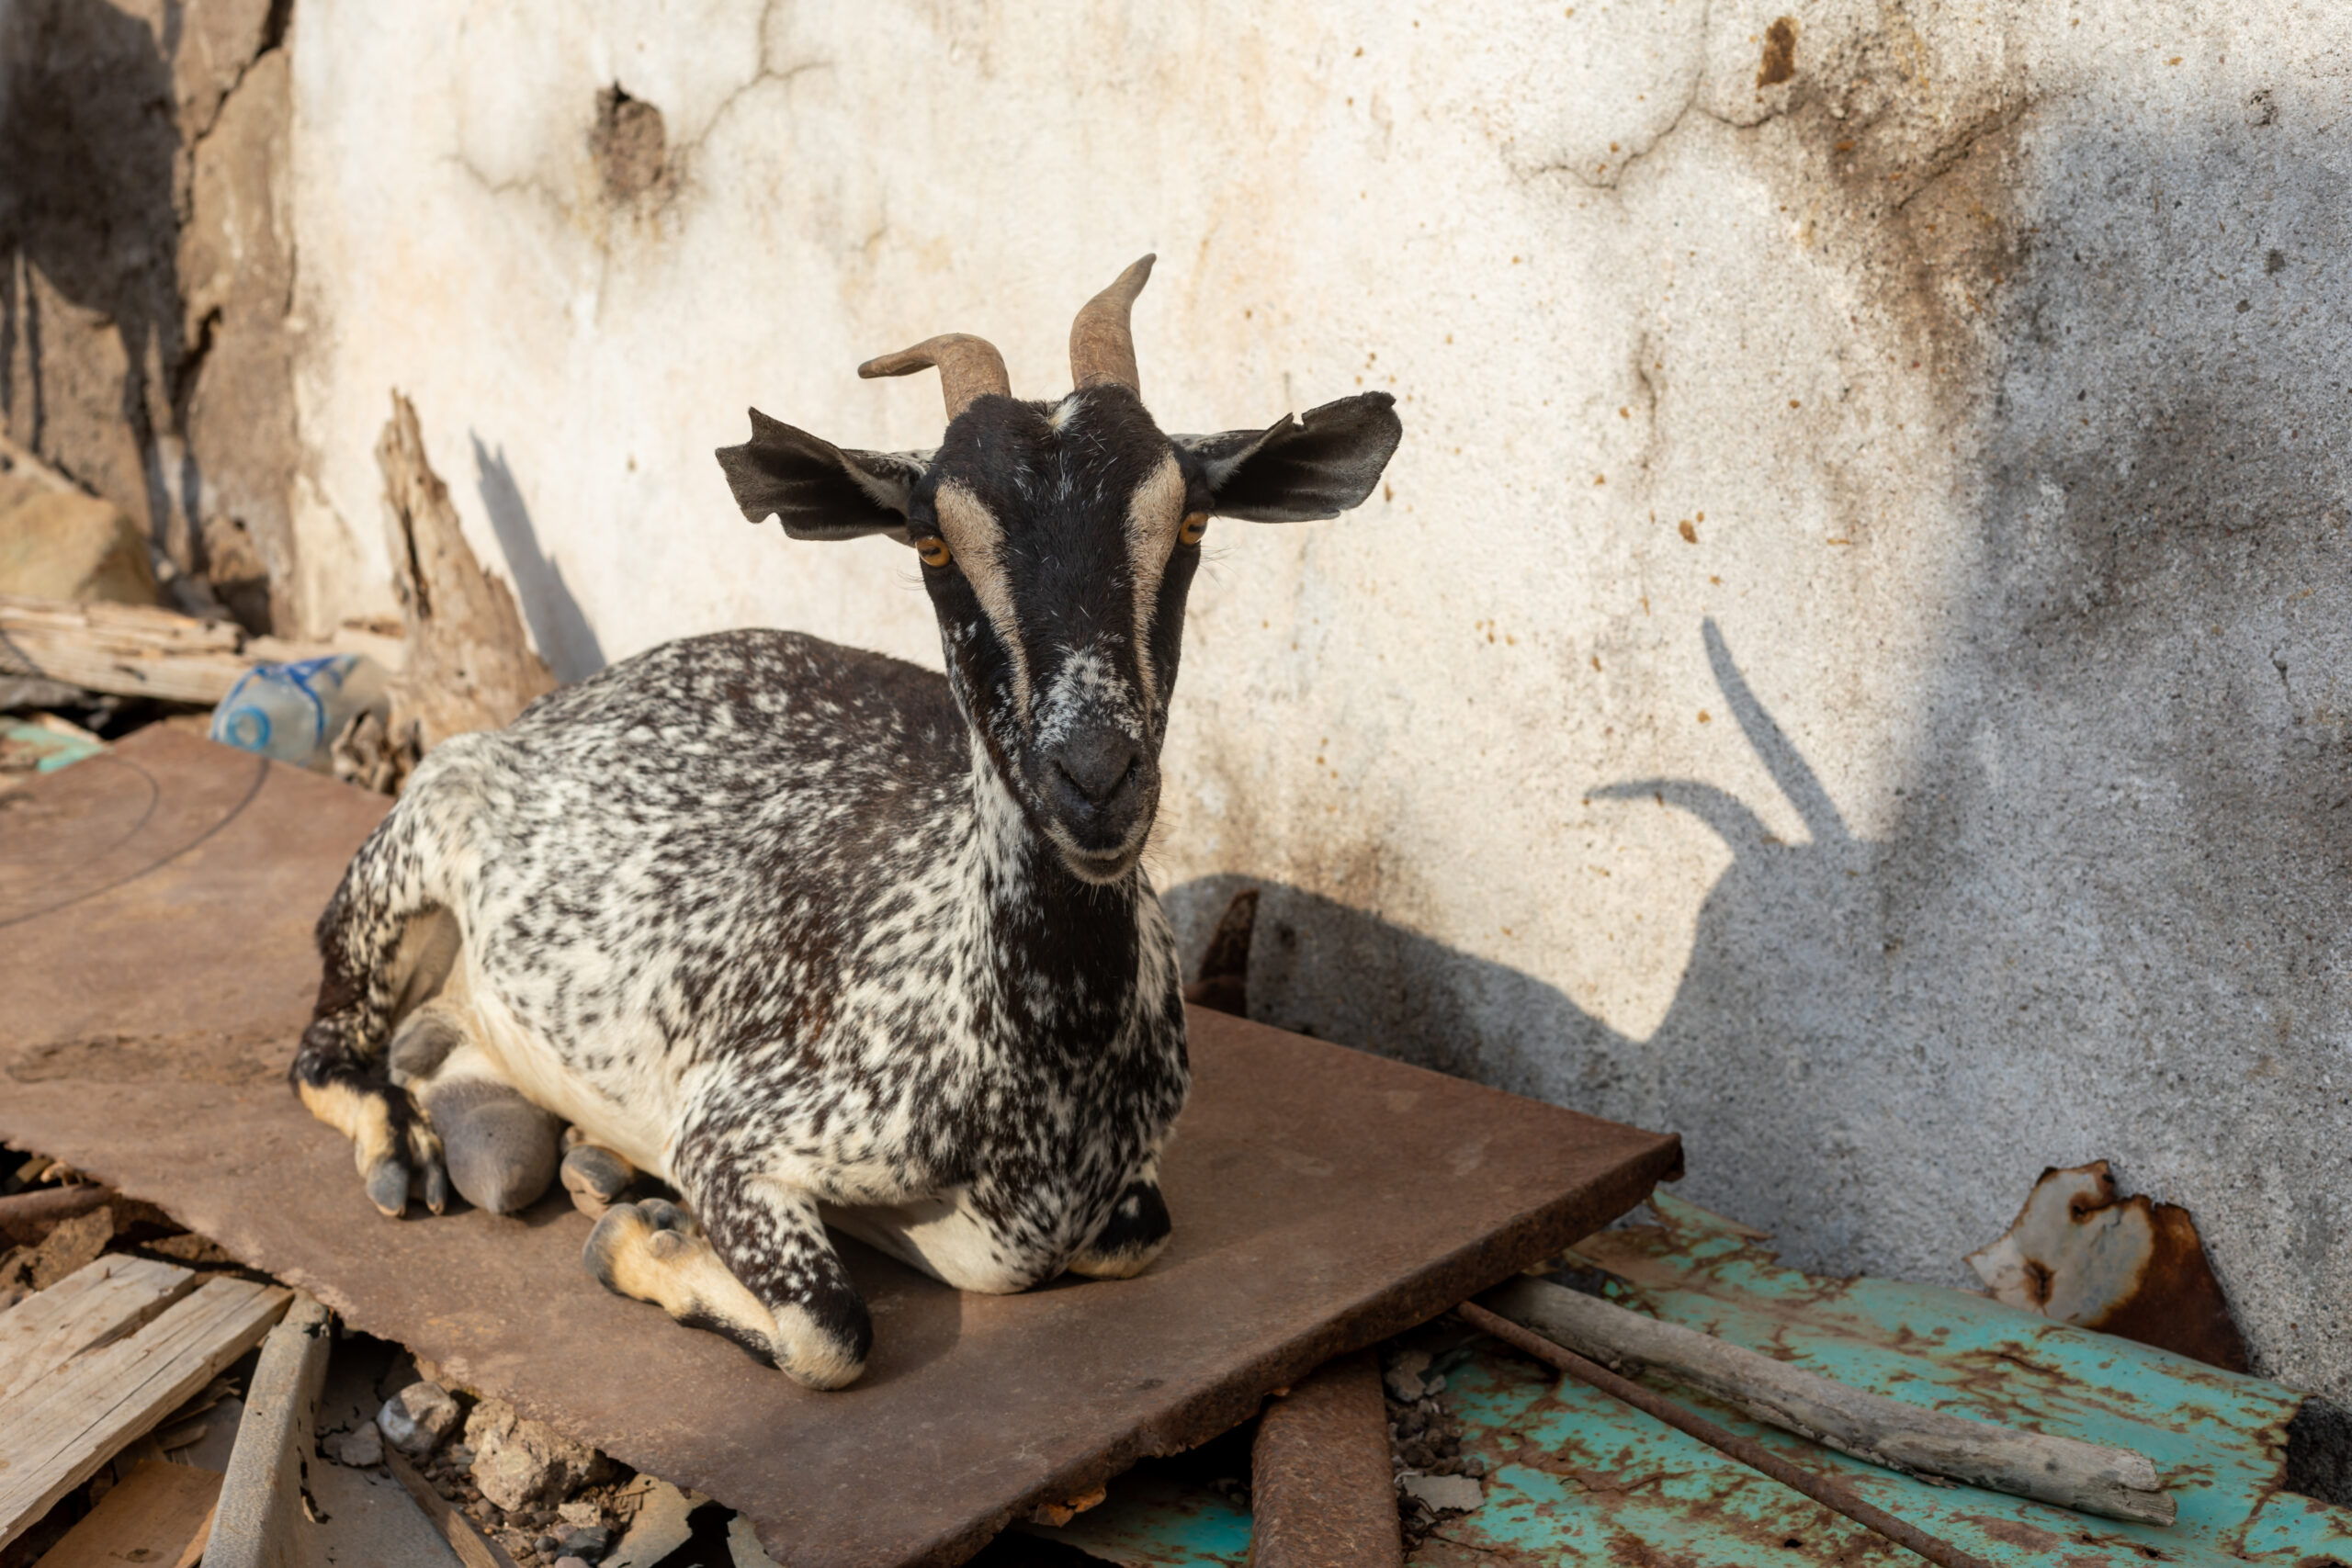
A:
816, 936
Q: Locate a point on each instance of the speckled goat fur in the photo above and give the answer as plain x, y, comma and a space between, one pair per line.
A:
818, 936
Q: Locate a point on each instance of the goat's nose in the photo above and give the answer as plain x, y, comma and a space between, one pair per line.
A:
1097, 762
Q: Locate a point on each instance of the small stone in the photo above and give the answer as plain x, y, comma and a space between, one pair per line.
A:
581, 1512
416, 1419
547, 1546
360, 1447
521, 1464
1446, 1493
1404, 1376
1433, 1386
591, 1541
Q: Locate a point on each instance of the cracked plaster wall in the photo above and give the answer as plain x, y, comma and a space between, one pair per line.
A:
1845, 664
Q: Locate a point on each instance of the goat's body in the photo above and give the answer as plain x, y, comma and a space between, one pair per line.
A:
745, 910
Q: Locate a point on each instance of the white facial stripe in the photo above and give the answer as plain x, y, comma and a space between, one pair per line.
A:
978, 540
1155, 514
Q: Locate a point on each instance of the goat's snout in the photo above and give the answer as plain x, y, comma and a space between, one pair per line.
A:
1094, 768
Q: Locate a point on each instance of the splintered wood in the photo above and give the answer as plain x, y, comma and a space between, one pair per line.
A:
81, 1388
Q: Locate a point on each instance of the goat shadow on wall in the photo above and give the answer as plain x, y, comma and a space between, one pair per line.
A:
1783, 980
558, 627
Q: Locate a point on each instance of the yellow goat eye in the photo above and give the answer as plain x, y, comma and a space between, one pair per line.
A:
934, 551
1196, 525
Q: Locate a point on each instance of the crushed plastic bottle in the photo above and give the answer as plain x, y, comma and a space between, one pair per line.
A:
291, 713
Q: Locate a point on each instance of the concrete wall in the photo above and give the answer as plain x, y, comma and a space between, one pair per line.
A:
1847, 663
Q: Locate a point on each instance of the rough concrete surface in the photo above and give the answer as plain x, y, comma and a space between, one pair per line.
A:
146, 271
1844, 666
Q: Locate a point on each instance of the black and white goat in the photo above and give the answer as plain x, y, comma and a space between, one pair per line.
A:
813, 935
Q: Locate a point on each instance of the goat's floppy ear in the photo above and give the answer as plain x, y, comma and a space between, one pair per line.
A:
1301, 469
815, 489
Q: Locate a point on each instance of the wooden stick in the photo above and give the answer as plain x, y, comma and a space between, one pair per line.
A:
2118, 1484
1829, 1494
474, 1548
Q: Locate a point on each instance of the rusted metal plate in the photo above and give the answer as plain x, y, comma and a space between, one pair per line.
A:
1573, 1476
155, 906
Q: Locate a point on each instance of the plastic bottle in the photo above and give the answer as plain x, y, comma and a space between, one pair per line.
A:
291, 713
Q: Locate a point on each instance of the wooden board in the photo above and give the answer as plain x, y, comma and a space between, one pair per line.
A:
102, 1300
55, 1433
154, 1515
260, 1517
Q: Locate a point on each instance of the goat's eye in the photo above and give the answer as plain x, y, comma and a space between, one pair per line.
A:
1196, 525
934, 551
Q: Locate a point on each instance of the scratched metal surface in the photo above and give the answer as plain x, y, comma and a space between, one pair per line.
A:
1576, 1477
156, 963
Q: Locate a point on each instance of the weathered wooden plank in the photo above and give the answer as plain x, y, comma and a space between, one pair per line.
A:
55, 1434
131, 649
154, 1515
2116, 1482
98, 1301
259, 1520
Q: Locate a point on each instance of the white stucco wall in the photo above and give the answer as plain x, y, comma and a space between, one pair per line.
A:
1996, 362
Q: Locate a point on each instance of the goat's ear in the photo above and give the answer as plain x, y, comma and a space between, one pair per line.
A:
1301, 469
815, 489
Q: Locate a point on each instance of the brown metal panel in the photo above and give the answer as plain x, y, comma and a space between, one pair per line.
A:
156, 908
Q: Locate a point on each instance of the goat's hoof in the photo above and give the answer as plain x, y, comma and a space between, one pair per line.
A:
596, 1178
1137, 1232
391, 1140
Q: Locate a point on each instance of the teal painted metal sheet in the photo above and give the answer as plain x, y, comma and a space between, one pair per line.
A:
1149, 1520
29, 747
1576, 1477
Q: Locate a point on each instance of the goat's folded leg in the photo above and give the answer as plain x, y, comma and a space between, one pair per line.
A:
763, 1275
1136, 1232
391, 1139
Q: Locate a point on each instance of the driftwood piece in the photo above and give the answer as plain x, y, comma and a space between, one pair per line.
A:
469, 662
98, 1303
258, 1522
55, 1433
158, 1514
2118, 1484
1831, 1492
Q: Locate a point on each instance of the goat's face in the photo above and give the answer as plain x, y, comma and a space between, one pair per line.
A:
1057, 542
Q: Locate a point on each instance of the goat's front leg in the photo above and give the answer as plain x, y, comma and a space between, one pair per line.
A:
758, 1269
1135, 1232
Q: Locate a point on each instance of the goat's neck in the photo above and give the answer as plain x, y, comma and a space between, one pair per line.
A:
1080, 939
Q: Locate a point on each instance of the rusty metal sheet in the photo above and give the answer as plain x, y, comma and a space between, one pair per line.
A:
1573, 1476
155, 906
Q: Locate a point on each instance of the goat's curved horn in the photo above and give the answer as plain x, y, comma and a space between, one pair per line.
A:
1102, 345
969, 368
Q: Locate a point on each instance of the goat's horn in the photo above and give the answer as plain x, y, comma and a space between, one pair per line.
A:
1102, 345
969, 368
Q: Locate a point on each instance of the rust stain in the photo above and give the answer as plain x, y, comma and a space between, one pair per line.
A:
1779, 61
